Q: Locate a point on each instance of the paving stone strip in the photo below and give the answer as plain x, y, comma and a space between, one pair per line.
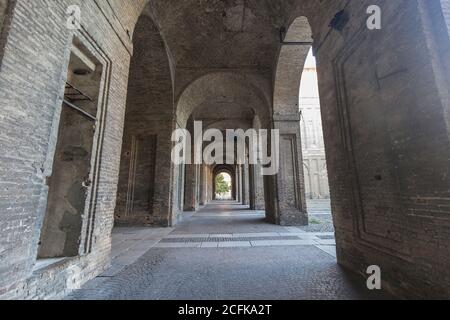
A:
227, 239
326, 237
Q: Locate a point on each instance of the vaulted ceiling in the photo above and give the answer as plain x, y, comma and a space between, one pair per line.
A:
236, 34
223, 52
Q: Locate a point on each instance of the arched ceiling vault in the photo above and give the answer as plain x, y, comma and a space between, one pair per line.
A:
219, 168
209, 95
291, 62
219, 34
226, 34
224, 116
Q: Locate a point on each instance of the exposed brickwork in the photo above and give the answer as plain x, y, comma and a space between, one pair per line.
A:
32, 76
389, 180
145, 179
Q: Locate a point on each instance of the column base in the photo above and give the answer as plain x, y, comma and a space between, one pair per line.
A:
293, 218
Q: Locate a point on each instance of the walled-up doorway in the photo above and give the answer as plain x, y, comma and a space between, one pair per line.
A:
72, 175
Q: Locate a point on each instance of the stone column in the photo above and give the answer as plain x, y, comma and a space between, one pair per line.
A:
210, 187
259, 188
198, 183
239, 184
242, 175
251, 186
190, 195
246, 184
290, 208
203, 185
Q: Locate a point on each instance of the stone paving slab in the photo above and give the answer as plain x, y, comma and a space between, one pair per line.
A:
308, 237
230, 215
209, 245
327, 242
260, 234
331, 250
181, 236
112, 271
222, 235
235, 244
273, 243
227, 239
95, 283
179, 245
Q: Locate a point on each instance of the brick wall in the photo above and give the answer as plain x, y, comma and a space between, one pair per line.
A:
32, 79
388, 157
385, 114
145, 180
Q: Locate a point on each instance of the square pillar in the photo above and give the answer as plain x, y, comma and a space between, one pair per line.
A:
259, 188
246, 184
290, 208
191, 188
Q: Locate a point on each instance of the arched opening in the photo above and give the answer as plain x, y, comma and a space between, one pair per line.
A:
223, 186
223, 101
317, 189
228, 174
289, 205
5, 12
297, 107
221, 91
4, 4
143, 196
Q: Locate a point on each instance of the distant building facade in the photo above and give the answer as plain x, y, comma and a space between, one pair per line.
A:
314, 159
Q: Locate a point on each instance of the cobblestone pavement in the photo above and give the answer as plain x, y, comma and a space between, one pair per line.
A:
319, 223
320, 218
320, 206
224, 252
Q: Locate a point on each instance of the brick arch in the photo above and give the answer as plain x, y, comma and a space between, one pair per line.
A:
151, 75
6, 8
229, 124
230, 170
143, 198
290, 66
445, 7
221, 86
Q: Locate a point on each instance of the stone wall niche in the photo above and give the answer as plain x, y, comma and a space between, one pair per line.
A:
136, 182
71, 178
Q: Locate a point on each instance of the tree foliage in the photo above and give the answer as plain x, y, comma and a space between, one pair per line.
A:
222, 187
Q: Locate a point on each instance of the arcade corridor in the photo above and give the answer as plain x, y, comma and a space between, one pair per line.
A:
116, 116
